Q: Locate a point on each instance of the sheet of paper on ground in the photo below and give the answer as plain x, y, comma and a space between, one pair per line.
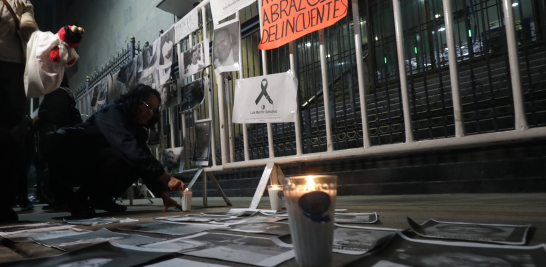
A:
85, 239
170, 228
236, 248
494, 233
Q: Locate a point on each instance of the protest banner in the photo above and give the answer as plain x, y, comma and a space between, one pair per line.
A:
287, 20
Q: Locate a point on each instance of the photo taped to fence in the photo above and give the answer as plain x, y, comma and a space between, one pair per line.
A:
225, 52
166, 48
196, 59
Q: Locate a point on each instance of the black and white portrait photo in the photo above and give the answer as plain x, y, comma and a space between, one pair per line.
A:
495, 233
193, 94
401, 250
139, 66
202, 143
147, 80
166, 48
169, 95
102, 88
173, 160
94, 97
130, 73
357, 240
196, 58
257, 251
148, 57
117, 88
225, 50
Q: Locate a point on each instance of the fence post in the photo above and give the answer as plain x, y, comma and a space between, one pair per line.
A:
399, 34
264, 66
513, 56
132, 43
453, 72
360, 73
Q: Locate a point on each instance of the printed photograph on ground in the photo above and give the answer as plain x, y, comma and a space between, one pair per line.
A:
495, 233
402, 251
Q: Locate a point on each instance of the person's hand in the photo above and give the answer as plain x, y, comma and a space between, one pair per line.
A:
176, 185
22, 6
169, 202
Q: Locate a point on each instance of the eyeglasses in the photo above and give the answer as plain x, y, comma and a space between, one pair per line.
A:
148, 108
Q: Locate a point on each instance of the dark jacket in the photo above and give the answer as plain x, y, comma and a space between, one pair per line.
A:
113, 126
59, 108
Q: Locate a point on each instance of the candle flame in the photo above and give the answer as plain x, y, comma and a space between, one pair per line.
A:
310, 183
275, 186
187, 190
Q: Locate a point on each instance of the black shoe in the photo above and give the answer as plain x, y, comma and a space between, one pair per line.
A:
107, 205
80, 209
27, 206
7, 214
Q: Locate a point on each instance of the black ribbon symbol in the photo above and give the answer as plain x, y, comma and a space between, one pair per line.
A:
264, 93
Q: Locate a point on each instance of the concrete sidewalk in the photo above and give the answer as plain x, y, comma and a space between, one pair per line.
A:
518, 209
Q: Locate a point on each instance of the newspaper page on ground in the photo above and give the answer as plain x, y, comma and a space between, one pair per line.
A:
46, 233
494, 233
270, 228
351, 240
257, 251
104, 254
196, 218
402, 251
12, 229
170, 228
183, 262
356, 217
99, 221
259, 216
77, 241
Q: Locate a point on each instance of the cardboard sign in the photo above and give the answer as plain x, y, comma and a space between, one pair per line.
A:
287, 20
222, 9
270, 98
186, 25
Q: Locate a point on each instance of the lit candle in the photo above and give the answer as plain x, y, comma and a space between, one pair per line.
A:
310, 202
275, 197
185, 199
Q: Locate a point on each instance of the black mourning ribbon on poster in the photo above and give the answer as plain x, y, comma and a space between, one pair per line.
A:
264, 93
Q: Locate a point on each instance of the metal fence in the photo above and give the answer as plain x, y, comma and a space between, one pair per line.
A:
391, 77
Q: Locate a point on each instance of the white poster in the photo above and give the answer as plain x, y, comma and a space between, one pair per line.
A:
225, 46
186, 25
222, 9
263, 99
195, 59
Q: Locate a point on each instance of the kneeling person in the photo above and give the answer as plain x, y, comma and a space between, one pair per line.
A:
108, 153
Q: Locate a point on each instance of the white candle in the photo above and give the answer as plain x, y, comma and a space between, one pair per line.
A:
185, 199
274, 198
310, 202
